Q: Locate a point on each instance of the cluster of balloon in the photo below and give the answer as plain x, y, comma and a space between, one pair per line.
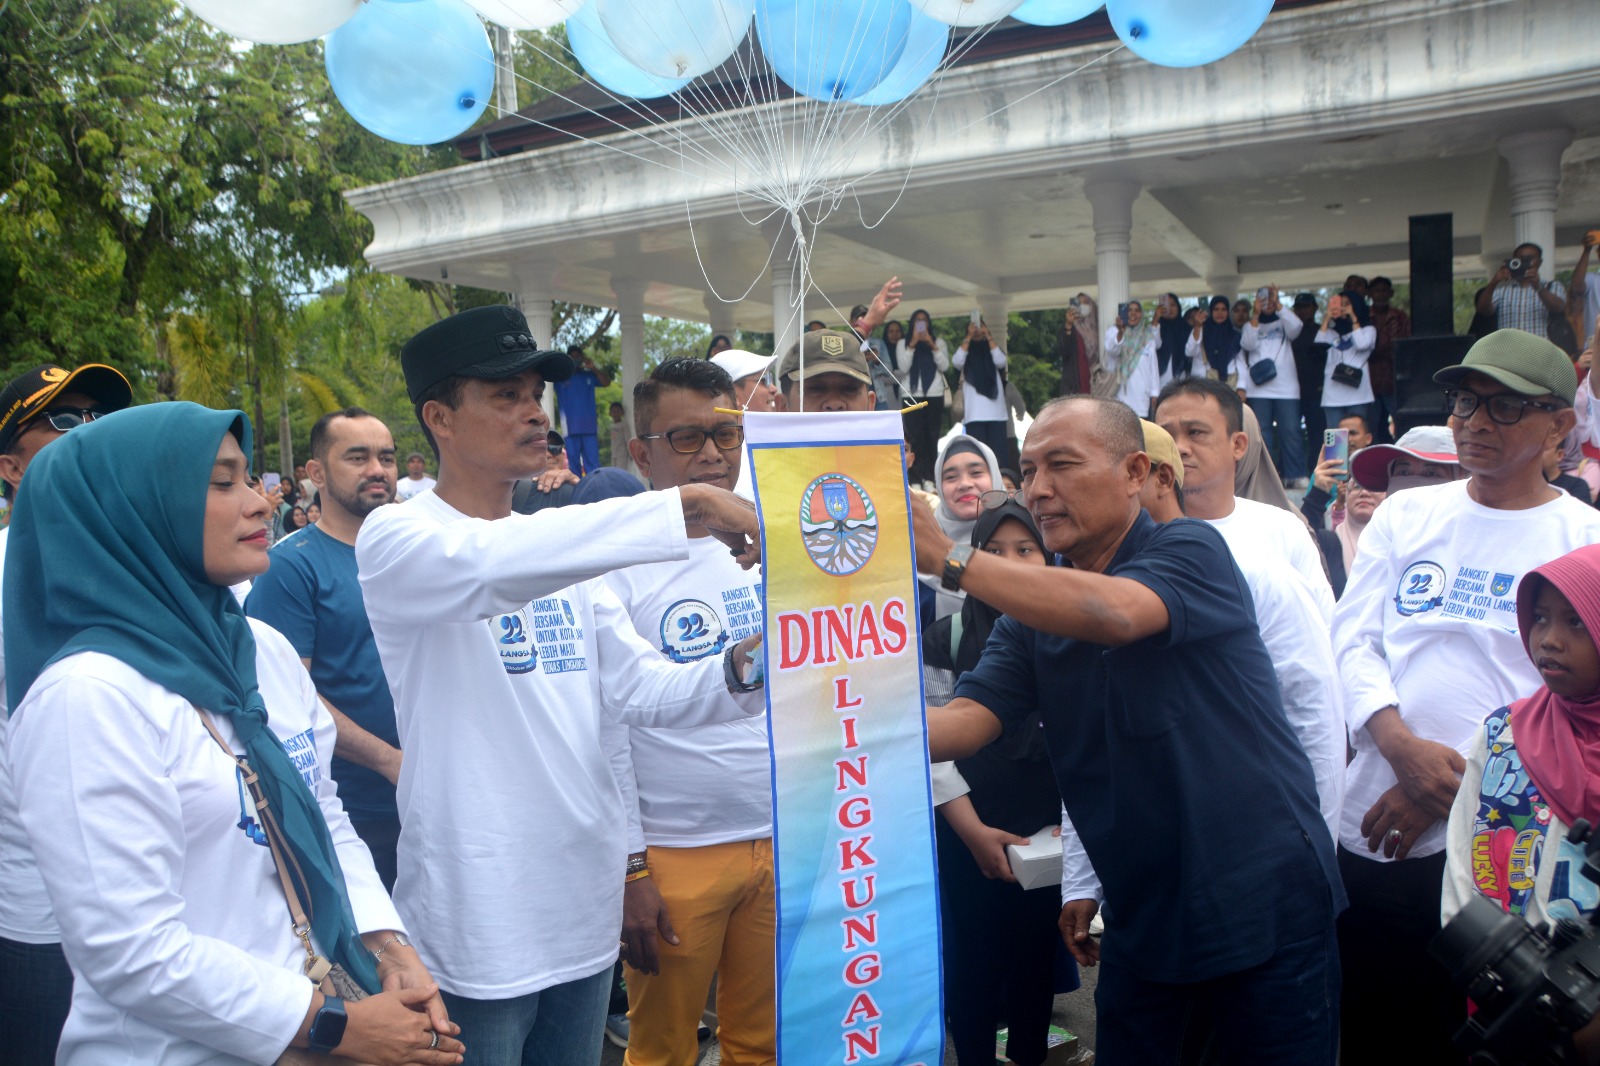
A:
422, 71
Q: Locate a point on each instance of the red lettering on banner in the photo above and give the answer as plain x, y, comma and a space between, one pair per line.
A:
863, 1007
850, 632
894, 622
849, 888
860, 817
841, 694
863, 969
793, 631
855, 771
850, 741
859, 1044
865, 927
853, 853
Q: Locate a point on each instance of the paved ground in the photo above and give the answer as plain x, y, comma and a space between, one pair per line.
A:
1074, 1012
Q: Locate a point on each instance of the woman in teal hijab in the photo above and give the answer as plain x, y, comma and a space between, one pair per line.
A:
122, 631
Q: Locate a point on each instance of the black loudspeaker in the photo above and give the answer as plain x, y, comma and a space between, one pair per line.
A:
1432, 276
1419, 400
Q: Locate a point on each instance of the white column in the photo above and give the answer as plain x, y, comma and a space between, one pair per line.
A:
533, 296
788, 302
1535, 159
1225, 285
1112, 200
630, 322
721, 316
995, 310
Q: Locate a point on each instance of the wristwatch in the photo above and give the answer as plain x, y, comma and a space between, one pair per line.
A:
327, 1029
730, 673
955, 566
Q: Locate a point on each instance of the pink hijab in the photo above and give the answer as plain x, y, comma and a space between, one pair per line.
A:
1557, 737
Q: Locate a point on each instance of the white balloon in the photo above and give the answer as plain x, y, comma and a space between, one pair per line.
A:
679, 38
275, 21
966, 12
527, 14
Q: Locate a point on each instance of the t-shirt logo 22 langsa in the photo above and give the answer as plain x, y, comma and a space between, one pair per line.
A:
545, 631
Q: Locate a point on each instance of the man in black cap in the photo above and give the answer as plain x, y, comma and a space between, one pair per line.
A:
502, 653
826, 370
36, 409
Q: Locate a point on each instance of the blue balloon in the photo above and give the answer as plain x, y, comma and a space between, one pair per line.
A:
926, 40
1055, 12
1170, 33
417, 72
603, 64
833, 49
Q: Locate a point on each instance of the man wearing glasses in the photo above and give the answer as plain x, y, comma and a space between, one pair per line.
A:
1426, 636
699, 897
36, 409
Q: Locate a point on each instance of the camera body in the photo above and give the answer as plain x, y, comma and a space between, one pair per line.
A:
1532, 990
1517, 267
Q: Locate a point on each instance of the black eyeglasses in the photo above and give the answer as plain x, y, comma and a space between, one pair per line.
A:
688, 440
62, 419
997, 498
1504, 407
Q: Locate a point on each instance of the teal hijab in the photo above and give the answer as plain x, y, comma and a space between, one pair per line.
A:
106, 554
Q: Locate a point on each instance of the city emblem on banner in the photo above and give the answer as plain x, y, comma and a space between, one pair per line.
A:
838, 524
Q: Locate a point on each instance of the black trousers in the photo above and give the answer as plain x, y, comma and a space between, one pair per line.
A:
1400, 1006
923, 430
382, 837
999, 958
35, 996
994, 435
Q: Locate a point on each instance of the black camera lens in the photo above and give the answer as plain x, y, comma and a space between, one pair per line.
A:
1488, 952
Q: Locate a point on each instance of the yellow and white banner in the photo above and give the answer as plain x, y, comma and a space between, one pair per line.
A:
858, 911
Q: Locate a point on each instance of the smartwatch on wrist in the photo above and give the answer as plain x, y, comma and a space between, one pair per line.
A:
327, 1028
955, 566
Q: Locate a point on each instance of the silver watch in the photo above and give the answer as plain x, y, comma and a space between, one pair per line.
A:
397, 938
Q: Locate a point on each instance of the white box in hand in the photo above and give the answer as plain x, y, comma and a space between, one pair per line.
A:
1038, 862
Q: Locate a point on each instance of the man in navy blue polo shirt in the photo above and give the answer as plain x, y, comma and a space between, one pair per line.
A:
311, 595
1192, 798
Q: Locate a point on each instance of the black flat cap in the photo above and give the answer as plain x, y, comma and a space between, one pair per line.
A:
485, 342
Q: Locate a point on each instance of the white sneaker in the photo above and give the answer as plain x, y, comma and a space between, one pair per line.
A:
617, 1029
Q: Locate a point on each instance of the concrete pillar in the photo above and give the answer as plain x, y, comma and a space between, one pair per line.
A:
630, 322
534, 294
721, 316
1225, 285
1535, 159
788, 300
1112, 200
995, 310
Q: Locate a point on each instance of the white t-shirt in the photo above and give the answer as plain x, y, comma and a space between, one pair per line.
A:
24, 906
1358, 345
976, 407
1269, 342
1261, 531
173, 920
409, 486
1295, 631
1139, 389
687, 788
1428, 623
502, 650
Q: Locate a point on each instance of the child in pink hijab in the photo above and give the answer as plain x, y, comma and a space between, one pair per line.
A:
1535, 768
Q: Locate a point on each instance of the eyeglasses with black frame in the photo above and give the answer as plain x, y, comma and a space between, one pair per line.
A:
997, 498
686, 440
62, 419
1506, 408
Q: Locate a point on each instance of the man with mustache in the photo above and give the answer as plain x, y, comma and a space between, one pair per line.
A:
311, 595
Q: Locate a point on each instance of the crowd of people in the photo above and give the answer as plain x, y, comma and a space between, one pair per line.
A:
472, 765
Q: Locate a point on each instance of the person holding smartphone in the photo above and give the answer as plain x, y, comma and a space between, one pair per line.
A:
1583, 298
1270, 383
1348, 332
1130, 350
923, 357
983, 395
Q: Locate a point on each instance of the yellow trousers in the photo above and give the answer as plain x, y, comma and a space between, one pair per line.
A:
722, 904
